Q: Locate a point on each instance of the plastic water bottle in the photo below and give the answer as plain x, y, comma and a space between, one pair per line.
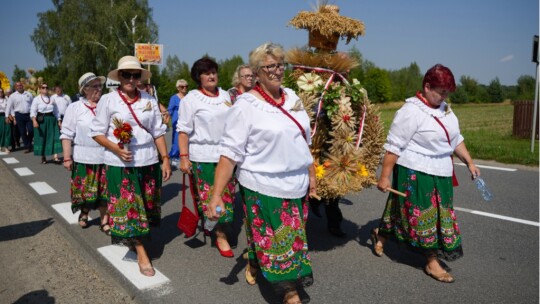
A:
209, 224
482, 187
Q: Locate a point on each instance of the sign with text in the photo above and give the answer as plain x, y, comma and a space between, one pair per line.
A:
149, 53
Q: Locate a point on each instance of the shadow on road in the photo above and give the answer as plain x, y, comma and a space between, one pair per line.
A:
22, 230
36, 296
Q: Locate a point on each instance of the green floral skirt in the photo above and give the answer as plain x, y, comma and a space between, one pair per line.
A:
425, 219
47, 137
134, 201
204, 180
5, 132
276, 236
88, 187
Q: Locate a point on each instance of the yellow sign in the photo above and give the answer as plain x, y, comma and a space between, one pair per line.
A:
149, 53
4, 81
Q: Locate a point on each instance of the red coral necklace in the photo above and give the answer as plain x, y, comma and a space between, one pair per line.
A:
424, 100
204, 92
269, 99
138, 95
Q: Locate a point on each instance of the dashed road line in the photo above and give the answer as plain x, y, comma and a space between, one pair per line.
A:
502, 217
125, 261
23, 171
64, 209
491, 167
42, 188
10, 160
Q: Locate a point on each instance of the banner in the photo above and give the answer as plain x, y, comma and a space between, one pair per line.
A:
149, 53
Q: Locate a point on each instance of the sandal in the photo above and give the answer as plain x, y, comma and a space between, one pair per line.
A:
251, 278
147, 270
102, 229
444, 277
287, 299
43, 160
83, 220
377, 249
57, 161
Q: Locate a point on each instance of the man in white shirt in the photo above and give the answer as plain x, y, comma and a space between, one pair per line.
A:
62, 100
18, 111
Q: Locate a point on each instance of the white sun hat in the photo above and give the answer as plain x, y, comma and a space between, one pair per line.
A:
87, 78
129, 63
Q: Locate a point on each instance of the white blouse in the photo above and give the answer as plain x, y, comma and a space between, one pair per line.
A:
420, 142
3, 105
62, 102
202, 118
76, 127
271, 154
43, 104
142, 143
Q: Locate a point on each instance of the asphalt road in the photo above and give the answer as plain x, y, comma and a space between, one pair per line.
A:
500, 265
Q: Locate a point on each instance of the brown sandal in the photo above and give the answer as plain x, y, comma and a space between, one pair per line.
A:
444, 277
251, 278
83, 220
378, 250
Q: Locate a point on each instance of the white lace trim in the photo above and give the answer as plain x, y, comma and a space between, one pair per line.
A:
217, 100
265, 106
439, 112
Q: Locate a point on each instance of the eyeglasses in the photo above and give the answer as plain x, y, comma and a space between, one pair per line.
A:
128, 75
247, 76
44, 87
182, 87
271, 68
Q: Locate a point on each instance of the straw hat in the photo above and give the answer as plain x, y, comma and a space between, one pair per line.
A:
129, 63
87, 78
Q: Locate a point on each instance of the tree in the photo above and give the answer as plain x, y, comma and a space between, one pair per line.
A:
165, 81
18, 74
226, 71
405, 82
459, 96
79, 36
378, 85
495, 91
525, 87
471, 88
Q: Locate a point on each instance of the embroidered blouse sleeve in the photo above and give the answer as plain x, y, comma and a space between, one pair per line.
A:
235, 135
158, 128
69, 124
34, 107
185, 115
403, 128
100, 124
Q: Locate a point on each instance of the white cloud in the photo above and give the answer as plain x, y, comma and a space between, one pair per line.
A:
507, 58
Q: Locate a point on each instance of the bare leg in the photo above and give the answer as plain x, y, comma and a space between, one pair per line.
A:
221, 239
145, 266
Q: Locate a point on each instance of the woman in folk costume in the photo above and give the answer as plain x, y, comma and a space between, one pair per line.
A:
422, 138
128, 124
83, 156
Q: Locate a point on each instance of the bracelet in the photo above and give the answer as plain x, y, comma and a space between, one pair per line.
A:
165, 156
184, 155
66, 160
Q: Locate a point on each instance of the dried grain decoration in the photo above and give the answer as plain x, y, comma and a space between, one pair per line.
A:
326, 26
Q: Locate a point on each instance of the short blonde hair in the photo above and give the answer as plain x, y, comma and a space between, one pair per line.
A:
258, 55
180, 82
236, 75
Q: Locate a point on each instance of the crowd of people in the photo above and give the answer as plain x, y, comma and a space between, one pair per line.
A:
253, 139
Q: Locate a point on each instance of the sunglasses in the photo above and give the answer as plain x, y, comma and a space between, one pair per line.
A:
182, 87
128, 75
44, 87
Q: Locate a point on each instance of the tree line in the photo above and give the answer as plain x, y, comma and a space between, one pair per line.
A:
78, 36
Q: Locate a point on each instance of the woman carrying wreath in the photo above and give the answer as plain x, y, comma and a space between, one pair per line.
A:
422, 138
128, 124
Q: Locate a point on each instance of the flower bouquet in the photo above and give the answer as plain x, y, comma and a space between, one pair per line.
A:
123, 132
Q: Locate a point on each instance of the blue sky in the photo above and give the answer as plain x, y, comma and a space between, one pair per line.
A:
482, 39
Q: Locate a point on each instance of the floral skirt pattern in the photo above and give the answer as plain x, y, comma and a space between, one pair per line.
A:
425, 219
47, 137
134, 201
5, 132
276, 236
204, 180
88, 187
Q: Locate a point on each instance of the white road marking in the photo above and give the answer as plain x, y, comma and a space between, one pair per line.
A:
23, 171
126, 263
42, 188
502, 217
490, 167
64, 209
4, 153
11, 160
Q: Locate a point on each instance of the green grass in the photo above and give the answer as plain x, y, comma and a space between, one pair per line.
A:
487, 129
